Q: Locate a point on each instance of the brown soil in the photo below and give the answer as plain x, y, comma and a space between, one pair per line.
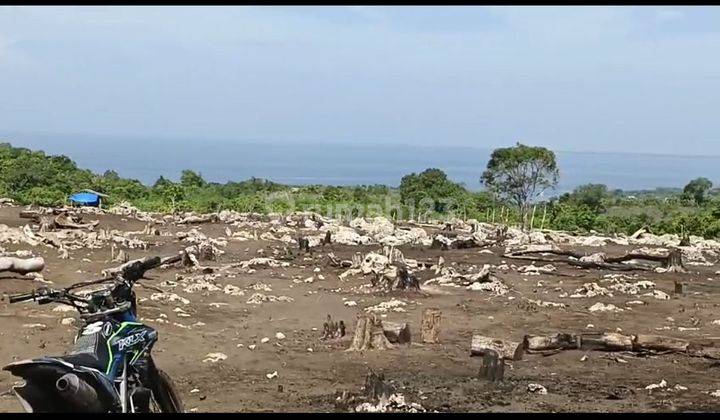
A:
440, 376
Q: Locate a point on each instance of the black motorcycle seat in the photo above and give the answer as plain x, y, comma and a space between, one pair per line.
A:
84, 359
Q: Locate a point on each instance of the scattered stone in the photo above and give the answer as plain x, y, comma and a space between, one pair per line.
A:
537, 389
214, 357
661, 384
391, 305
601, 307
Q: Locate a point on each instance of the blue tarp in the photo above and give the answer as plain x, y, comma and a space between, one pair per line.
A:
85, 199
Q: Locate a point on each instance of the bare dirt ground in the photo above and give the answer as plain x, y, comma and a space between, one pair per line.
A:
311, 372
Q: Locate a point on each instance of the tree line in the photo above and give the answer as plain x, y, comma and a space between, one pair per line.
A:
513, 180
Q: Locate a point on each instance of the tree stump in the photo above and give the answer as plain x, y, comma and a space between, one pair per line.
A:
328, 238
121, 257
397, 332
375, 386
674, 263
357, 260
206, 251
685, 240
680, 288
493, 366
369, 334
304, 244
332, 329
406, 279
430, 330
47, 223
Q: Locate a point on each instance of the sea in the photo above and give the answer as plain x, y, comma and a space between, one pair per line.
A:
352, 164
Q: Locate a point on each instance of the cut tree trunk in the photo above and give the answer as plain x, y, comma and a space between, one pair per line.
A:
607, 341
22, 266
660, 343
397, 332
511, 350
369, 334
430, 330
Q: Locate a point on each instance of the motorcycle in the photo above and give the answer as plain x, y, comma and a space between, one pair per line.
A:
110, 367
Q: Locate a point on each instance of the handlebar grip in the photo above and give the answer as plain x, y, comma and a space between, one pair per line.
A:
150, 263
21, 297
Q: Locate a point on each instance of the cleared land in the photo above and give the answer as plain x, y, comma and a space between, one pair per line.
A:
234, 305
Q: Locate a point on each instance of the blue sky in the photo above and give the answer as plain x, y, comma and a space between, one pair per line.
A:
624, 79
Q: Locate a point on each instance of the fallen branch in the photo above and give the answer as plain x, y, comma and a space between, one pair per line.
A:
607, 341
672, 261
559, 341
660, 343
610, 341
193, 219
64, 221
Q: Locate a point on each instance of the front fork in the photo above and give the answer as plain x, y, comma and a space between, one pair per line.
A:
146, 371
124, 386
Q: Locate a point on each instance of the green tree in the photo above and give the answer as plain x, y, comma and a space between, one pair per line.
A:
519, 174
161, 183
172, 194
697, 190
431, 186
190, 178
111, 175
591, 195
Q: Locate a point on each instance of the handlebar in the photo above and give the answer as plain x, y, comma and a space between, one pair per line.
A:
21, 297
135, 270
126, 275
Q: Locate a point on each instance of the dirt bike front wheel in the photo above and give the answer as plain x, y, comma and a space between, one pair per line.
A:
165, 394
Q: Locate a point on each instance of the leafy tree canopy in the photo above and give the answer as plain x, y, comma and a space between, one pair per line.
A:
697, 190
430, 186
520, 173
190, 178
